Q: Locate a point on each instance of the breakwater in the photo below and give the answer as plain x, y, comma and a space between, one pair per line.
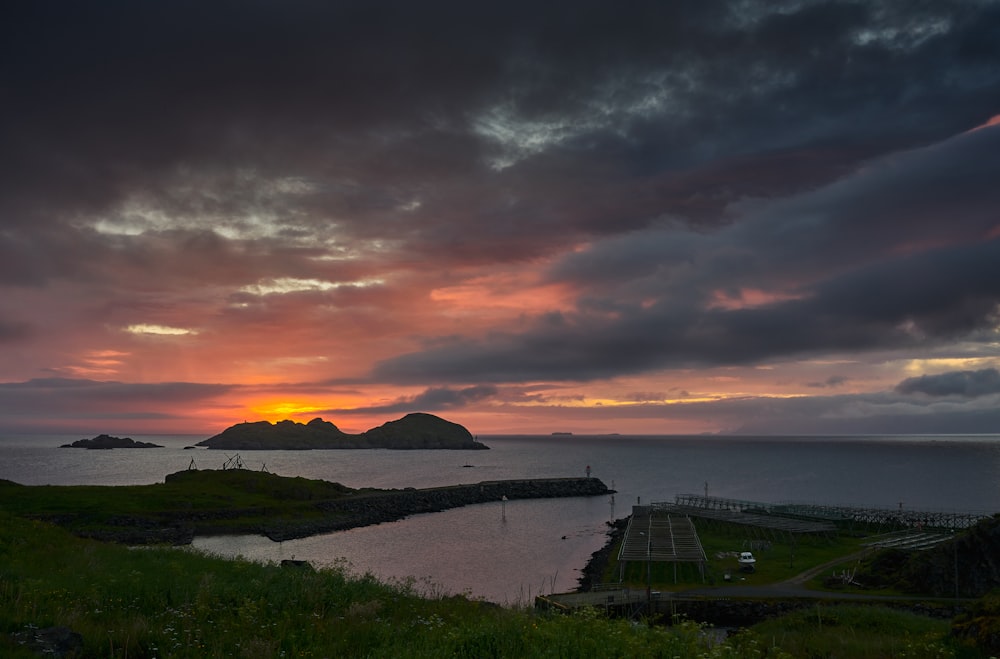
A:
365, 509
179, 524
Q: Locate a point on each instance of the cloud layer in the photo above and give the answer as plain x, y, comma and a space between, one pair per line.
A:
520, 215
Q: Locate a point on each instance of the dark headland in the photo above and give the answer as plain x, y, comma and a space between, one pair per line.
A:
414, 431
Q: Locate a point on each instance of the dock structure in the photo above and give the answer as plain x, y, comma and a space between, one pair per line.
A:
658, 536
831, 515
758, 525
665, 532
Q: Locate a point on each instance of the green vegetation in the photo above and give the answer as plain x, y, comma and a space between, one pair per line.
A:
233, 499
860, 632
165, 602
776, 560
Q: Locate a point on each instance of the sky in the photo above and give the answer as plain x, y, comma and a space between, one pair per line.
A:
755, 216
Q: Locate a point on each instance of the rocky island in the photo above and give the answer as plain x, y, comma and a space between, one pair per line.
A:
109, 442
414, 431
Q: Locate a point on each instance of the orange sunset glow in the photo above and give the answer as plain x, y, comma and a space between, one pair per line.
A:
524, 219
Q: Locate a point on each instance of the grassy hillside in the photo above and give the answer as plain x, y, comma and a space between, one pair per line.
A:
197, 500
166, 602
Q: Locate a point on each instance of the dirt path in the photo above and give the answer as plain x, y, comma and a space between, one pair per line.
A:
802, 577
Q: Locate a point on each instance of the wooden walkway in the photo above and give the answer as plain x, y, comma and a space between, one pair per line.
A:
654, 536
768, 522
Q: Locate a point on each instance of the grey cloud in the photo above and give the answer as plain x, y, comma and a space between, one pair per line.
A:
699, 148
430, 400
13, 330
916, 300
59, 397
844, 414
120, 97
443, 398
892, 204
967, 384
832, 381
878, 413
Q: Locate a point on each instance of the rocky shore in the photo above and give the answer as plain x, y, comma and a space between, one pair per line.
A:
593, 572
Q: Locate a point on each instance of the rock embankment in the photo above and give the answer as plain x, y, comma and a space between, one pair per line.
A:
364, 509
593, 572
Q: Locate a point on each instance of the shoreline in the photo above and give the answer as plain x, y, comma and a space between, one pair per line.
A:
591, 574
369, 509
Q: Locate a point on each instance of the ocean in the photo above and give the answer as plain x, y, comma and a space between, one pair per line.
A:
509, 552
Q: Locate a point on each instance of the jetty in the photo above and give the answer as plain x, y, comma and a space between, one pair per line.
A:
237, 500
364, 508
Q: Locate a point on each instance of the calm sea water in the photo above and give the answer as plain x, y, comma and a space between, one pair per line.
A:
510, 554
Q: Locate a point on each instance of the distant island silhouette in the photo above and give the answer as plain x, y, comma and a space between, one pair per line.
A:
109, 442
414, 431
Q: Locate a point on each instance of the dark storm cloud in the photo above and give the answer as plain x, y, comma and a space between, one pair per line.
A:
400, 100
832, 381
911, 200
891, 257
13, 330
717, 182
62, 397
433, 399
967, 384
914, 301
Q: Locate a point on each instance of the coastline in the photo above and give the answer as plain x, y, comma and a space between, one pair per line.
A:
592, 573
367, 509
292, 511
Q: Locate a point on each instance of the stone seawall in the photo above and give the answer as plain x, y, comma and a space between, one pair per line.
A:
360, 508
364, 509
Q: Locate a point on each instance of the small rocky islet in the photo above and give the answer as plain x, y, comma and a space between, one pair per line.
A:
109, 442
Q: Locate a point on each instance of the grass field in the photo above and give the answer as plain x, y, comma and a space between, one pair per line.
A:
166, 602
777, 560
237, 498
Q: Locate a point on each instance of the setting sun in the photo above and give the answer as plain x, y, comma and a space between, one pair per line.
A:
275, 411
